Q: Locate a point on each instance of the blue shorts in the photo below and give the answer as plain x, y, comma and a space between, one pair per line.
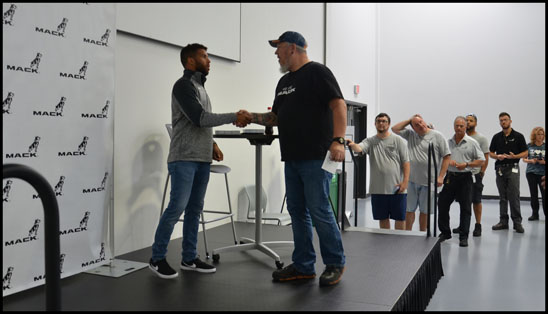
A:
388, 206
418, 197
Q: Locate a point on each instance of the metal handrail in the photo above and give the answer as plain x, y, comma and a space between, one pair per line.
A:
431, 157
51, 229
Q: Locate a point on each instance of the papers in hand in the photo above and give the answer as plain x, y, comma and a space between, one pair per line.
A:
330, 165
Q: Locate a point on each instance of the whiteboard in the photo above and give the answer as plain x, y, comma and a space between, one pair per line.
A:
214, 25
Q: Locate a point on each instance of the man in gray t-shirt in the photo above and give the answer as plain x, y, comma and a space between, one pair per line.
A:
418, 140
389, 161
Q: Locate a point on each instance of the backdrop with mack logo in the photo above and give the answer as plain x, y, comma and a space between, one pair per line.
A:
58, 89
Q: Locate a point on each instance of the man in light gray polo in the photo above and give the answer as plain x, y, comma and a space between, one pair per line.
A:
457, 184
477, 172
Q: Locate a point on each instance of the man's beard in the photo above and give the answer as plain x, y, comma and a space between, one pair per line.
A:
202, 69
383, 132
284, 68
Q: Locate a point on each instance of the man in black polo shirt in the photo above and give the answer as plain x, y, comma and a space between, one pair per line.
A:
508, 147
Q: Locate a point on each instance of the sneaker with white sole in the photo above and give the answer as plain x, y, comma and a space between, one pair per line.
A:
198, 265
162, 269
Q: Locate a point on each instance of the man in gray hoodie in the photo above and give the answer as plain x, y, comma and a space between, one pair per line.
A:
191, 152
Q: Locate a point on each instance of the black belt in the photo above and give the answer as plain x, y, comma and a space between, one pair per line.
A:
505, 165
457, 174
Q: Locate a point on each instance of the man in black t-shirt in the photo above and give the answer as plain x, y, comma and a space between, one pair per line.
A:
508, 147
310, 113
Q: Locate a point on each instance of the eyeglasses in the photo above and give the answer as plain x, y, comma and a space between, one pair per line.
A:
381, 121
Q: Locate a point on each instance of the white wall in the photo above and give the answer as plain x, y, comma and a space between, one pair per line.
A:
145, 73
449, 59
443, 60
355, 25
437, 59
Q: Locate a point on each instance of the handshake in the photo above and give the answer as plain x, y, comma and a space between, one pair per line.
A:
243, 118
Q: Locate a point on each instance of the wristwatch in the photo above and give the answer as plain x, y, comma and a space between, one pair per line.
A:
339, 140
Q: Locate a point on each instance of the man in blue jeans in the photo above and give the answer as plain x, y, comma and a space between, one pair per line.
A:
191, 151
310, 113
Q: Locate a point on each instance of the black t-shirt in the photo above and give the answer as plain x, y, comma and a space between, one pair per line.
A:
305, 120
501, 144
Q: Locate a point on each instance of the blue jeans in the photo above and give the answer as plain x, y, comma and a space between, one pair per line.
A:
188, 188
307, 188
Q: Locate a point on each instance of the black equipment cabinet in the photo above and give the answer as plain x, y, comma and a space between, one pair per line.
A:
357, 117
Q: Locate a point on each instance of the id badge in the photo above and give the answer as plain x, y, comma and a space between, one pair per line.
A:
515, 169
500, 172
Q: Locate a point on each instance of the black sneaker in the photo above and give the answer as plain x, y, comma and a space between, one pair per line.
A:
532, 218
463, 242
519, 228
290, 273
456, 230
444, 237
477, 230
198, 265
500, 226
162, 269
331, 275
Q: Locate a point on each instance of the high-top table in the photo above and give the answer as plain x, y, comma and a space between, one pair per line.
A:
258, 140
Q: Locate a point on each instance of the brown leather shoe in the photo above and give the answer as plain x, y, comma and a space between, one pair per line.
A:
519, 228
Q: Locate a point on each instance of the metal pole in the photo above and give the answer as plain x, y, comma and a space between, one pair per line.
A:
258, 183
429, 185
342, 197
435, 193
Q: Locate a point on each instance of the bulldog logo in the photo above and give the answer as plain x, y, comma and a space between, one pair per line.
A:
7, 189
82, 146
8, 15
34, 145
34, 230
36, 62
62, 26
7, 278
6, 105
59, 186
105, 36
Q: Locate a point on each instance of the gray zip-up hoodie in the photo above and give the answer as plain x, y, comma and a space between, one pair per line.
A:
192, 120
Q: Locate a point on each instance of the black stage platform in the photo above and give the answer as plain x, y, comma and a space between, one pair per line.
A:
383, 272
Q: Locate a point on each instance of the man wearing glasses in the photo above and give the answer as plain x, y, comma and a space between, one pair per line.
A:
389, 160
